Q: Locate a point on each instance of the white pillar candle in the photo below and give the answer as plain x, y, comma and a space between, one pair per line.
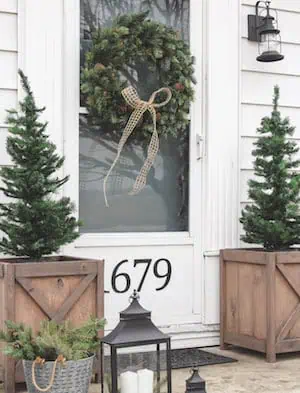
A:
145, 381
129, 382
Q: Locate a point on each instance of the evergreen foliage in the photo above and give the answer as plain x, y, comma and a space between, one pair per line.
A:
33, 223
273, 219
147, 55
52, 340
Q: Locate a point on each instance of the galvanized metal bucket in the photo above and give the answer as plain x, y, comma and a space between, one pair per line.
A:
70, 377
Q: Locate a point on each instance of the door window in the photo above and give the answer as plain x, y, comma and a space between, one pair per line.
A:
162, 206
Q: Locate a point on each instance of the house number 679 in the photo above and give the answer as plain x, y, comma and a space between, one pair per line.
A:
162, 270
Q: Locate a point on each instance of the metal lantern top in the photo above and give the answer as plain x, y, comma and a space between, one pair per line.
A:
135, 327
267, 25
195, 384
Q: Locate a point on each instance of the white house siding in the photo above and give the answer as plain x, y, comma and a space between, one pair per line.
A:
8, 68
258, 80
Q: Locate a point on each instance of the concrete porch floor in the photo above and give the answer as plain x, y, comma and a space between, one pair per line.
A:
251, 374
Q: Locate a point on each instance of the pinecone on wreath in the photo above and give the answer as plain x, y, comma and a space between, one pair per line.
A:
179, 86
99, 67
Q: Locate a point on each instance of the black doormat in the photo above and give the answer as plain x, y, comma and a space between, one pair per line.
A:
180, 358
194, 357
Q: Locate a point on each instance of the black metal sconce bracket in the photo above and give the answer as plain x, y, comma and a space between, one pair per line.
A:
253, 31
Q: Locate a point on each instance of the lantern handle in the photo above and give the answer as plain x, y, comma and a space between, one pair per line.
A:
267, 4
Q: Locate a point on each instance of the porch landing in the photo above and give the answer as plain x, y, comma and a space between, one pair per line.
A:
251, 374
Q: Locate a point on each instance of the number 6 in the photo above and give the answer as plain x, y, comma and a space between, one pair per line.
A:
115, 276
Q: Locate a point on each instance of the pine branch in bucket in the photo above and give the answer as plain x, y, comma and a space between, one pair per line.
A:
52, 340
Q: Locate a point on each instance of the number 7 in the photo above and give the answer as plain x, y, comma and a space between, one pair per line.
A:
148, 263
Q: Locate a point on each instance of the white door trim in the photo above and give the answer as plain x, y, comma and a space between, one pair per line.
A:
71, 89
40, 48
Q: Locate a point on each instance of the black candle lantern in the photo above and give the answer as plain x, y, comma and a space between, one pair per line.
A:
195, 384
136, 354
263, 29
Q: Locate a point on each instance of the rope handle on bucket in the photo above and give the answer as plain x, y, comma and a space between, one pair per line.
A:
38, 360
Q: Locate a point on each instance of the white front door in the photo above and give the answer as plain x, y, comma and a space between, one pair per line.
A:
151, 242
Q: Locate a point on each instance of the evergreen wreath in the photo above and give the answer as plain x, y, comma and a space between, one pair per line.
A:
135, 49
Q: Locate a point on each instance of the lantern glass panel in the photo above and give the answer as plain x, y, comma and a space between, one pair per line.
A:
139, 369
107, 388
270, 42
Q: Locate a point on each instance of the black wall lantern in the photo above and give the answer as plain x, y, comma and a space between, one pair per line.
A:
263, 29
143, 370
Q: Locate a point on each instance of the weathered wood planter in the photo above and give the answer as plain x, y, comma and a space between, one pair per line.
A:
64, 289
260, 300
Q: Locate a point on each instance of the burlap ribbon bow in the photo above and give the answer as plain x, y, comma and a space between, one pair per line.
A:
140, 107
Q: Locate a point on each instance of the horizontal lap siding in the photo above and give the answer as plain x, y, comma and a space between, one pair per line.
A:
285, 5
258, 80
288, 66
288, 23
8, 6
8, 70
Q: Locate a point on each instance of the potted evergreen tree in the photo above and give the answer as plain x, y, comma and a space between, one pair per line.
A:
260, 287
35, 223
58, 358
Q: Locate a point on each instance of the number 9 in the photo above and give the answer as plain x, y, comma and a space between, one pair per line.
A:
167, 275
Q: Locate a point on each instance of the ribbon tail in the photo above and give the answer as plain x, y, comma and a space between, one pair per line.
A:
153, 147
107, 176
136, 114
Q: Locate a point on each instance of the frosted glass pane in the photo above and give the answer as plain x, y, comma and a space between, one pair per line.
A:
269, 42
163, 203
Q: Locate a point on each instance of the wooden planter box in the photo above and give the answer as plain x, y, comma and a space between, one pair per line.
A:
64, 288
260, 300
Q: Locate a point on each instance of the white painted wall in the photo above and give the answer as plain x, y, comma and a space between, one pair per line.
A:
258, 79
8, 69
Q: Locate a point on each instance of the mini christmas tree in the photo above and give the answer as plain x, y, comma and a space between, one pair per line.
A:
273, 219
34, 224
